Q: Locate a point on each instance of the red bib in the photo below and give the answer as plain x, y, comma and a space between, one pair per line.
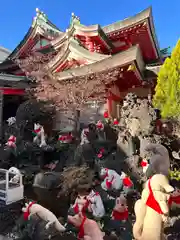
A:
81, 229
76, 207
127, 182
120, 215
109, 183
144, 163
175, 199
151, 201
27, 213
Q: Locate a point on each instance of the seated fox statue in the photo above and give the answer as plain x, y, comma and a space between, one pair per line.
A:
152, 209
88, 229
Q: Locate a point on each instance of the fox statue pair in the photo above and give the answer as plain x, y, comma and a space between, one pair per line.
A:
91, 203
113, 181
88, 229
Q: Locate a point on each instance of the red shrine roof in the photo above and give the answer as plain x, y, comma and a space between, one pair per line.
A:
128, 45
138, 29
41, 28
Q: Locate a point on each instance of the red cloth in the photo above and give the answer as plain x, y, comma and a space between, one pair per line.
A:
106, 174
151, 201
175, 199
100, 154
109, 183
99, 125
106, 115
120, 215
127, 182
27, 213
81, 229
115, 122
76, 207
159, 125
144, 163
37, 130
101, 150
12, 139
67, 137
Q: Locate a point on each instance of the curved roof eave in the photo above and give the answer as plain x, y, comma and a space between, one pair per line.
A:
128, 21
72, 47
28, 34
13, 53
93, 30
134, 20
121, 59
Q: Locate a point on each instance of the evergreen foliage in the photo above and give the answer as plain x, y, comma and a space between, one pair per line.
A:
167, 91
165, 51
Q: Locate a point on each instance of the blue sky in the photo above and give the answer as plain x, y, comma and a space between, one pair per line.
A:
16, 16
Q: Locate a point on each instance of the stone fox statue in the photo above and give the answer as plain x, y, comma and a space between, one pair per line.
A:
45, 214
159, 159
152, 209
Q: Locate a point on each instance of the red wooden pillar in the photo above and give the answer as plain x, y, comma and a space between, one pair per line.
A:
89, 44
109, 105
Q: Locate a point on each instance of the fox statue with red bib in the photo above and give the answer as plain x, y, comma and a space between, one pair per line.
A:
89, 203
43, 213
113, 181
152, 209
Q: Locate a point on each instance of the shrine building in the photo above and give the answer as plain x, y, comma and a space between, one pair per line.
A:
129, 47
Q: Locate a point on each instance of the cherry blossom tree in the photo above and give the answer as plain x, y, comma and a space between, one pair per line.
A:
64, 94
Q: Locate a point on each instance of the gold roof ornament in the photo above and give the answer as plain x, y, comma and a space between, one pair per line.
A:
40, 16
74, 19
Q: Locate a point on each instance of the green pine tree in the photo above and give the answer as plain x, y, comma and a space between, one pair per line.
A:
165, 51
167, 91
